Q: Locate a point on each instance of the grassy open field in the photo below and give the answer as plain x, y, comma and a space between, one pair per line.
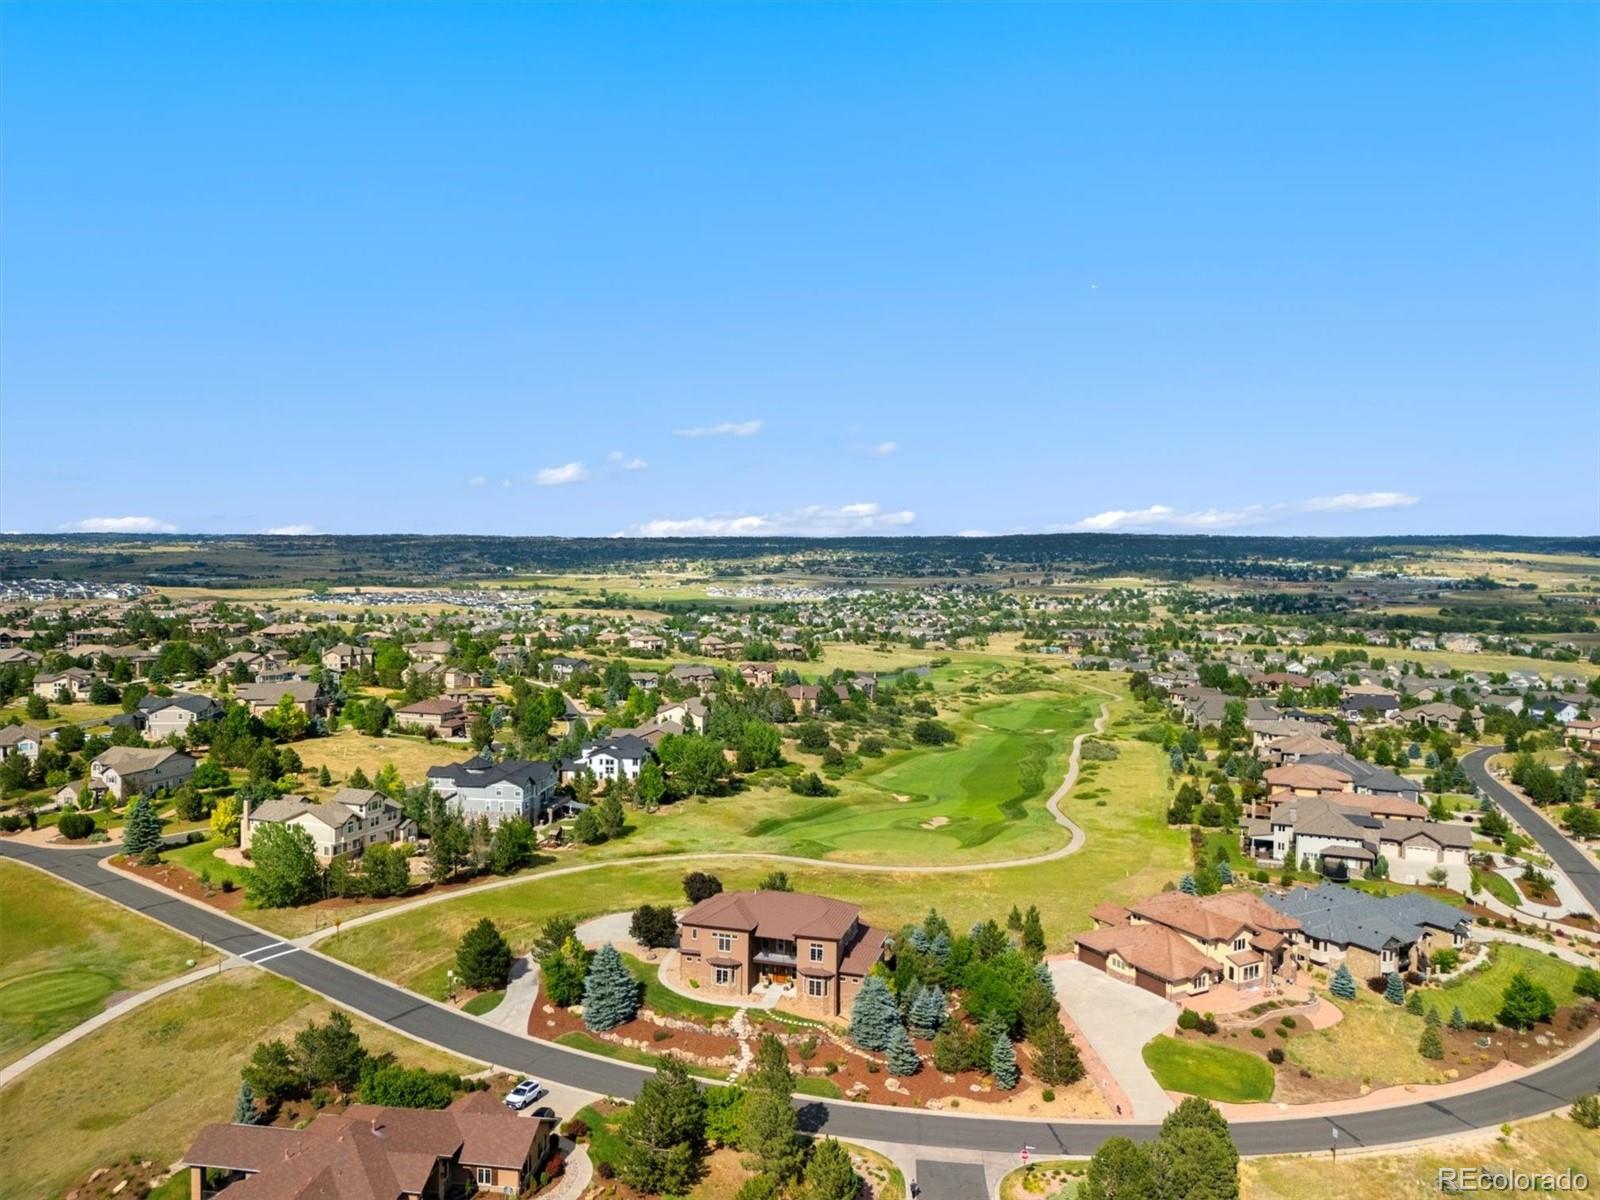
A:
1214, 1072
982, 800
347, 750
87, 715
67, 953
1553, 1144
1375, 1043
1479, 992
146, 1083
1120, 804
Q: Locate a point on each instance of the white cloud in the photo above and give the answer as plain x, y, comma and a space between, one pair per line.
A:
724, 429
626, 461
814, 520
1354, 501
120, 525
974, 533
616, 456
292, 530
882, 449
572, 472
478, 481
1202, 520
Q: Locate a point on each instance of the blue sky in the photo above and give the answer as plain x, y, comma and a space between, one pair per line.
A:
814, 268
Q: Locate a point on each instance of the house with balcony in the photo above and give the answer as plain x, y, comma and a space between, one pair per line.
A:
346, 824
733, 943
496, 791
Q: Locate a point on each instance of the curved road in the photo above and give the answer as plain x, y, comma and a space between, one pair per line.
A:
1535, 1093
1578, 865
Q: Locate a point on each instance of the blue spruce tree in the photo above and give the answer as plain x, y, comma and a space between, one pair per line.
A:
902, 1055
874, 1016
1344, 984
610, 994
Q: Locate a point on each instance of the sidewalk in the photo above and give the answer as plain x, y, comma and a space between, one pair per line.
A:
119, 1009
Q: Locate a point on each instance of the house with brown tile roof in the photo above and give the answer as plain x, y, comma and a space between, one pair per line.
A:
370, 1152
732, 943
1176, 945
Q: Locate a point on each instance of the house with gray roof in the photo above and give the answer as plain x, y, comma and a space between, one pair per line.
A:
1372, 935
346, 824
496, 791
1345, 840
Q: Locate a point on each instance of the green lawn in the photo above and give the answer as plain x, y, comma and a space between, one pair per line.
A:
67, 952
1214, 1072
1479, 992
146, 1083
486, 1002
981, 800
1130, 853
202, 856
1498, 886
662, 999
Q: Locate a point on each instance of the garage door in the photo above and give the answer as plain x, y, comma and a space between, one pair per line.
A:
1151, 984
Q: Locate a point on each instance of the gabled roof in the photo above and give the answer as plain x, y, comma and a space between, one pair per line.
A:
481, 772
1348, 917
1152, 949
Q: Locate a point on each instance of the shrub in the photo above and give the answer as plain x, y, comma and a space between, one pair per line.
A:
75, 825
576, 1128
1207, 1025
1287, 1022
1258, 1032
1047, 1095
1188, 1019
1586, 1110
1275, 1055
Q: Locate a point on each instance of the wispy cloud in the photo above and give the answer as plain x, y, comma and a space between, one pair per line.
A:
120, 525
1164, 516
572, 472
626, 461
880, 449
815, 520
292, 530
725, 429
478, 481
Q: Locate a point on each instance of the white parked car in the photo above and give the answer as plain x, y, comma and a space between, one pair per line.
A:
524, 1094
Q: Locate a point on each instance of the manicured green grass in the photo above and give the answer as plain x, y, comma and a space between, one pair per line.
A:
486, 1002
662, 999
1130, 853
816, 1085
1498, 886
1479, 993
605, 1145
147, 1082
1214, 1072
202, 856
67, 952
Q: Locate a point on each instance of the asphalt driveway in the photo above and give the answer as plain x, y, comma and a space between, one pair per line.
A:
1118, 1019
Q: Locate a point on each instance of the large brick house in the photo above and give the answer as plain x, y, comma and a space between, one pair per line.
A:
734, 942
1179, 945
374, 1152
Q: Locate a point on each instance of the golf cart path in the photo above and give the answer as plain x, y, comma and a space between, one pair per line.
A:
1075, 841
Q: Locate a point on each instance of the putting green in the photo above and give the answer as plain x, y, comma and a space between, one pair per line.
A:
46, 992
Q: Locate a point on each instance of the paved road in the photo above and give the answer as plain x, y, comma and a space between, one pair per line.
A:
1534, 1093
950, 1180
1578, 865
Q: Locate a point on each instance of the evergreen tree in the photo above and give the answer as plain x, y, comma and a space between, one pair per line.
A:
1014, 921
1343, 986
141, 829
1458, 1019
1225, 872
901, 1054
1395, 991
1414, 1004
1055, 1056
1524, 1003
244, 1107
769, 1131
1187, 886
1119, 1170
830, 1175
874, 1015
663, 1133
1041, 972
610, 994
1033, 932
483, 959
1431, 1046
928, 1011
1003, 1061
1433, 1017
324, 777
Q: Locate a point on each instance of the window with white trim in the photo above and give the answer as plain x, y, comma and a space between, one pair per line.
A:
725, 942
816, 951
485, 1176
815, 986
724, 976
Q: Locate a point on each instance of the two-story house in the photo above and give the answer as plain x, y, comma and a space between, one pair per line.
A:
347, 823
129, 771
1372, 935
24, 740
1177, 945
74, 682
620, 756
445, 717
162, 716
481, 787
735, 942
262, 698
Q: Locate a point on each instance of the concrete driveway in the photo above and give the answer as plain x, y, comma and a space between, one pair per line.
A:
1118, 1019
